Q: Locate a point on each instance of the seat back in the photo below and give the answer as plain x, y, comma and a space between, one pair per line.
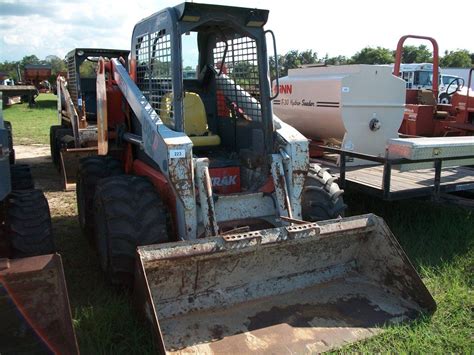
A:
195, 119
426, 97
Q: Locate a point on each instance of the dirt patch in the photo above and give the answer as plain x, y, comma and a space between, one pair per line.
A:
28, 152
38, 156
47, 178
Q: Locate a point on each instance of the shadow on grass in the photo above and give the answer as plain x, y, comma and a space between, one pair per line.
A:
104, 318
430, 234
45, 104
39, 104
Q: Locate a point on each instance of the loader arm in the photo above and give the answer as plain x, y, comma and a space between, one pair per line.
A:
70, 112
170, 150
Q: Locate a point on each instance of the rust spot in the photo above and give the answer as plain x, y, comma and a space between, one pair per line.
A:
218, 331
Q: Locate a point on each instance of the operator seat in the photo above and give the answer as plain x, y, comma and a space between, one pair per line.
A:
426, 97
195, 119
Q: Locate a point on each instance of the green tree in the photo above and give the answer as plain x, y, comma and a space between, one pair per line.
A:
413, 54
88, 69
290, 61
456, 59
9, 68
293, 59
29, 59
271, 63
338, 60
244, 73
58, 66
369, 55
308, 57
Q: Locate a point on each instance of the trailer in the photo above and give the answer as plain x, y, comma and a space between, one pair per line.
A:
420, 167
29, 92
352, 116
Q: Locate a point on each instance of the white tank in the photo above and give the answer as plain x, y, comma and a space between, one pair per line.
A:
359, 105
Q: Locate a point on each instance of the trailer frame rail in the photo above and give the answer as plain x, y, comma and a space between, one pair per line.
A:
435, 190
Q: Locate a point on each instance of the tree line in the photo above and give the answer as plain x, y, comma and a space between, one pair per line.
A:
9, 68
369, 55
58, 65
461, 58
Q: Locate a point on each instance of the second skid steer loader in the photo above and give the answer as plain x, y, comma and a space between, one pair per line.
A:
35, 316
240, 247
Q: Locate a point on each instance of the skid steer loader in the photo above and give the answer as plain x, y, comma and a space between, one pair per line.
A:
75, 135
232, 239
34, 305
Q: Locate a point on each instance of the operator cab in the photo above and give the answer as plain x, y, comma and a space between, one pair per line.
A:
214, 91
81, 77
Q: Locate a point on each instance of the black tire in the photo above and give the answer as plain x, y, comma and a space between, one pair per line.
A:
8, 127
21, 177
322, 198
128, 213
91, 170
52, 140
59, 133
28, 223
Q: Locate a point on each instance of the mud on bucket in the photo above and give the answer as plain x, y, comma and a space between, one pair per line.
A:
302, 288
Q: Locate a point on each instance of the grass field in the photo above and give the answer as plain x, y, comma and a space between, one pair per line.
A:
439, 240
31, 125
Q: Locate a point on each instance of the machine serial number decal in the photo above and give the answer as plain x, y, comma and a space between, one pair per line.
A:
177, 153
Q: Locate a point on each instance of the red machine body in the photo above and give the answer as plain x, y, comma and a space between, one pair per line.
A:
225, 180
423, 115
115, 112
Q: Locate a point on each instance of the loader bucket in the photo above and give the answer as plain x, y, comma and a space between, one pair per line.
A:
34, 307
304, 288
70, 164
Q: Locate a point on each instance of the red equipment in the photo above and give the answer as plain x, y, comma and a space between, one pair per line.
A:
423, 115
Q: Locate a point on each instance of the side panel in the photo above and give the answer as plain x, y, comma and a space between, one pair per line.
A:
170, 150
5, 186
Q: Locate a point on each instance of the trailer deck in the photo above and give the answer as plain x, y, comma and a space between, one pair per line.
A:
403, 173
19, 90
407, 184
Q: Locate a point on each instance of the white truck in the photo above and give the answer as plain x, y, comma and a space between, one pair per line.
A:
420, 76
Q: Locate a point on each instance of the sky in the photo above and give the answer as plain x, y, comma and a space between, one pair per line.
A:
336, 27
